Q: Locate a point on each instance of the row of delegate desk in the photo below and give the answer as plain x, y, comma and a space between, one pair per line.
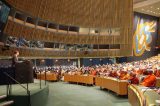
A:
79, 79
47, 76
136, 96
113, 84
118, 86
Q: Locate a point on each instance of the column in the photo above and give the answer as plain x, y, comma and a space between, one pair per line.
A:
79, 63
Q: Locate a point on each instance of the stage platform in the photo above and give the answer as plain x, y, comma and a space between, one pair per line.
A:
19, 95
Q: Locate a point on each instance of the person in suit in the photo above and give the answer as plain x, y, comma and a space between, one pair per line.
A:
14, 61
15, 58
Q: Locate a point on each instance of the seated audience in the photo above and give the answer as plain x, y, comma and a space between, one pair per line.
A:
143, 72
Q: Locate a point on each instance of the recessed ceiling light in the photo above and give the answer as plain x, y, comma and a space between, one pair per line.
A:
158, 8
142, 9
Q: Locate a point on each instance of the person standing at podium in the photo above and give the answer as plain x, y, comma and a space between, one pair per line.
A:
14, 61
15, 58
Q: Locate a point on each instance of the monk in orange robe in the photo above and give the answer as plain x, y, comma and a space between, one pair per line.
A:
93, 72
123, 75
133, 79
157, 73
149, 81
139, 72
126, 76
113, 74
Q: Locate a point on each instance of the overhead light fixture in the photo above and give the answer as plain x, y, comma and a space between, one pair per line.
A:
142, 9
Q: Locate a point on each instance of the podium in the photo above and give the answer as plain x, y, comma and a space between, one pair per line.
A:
24, 72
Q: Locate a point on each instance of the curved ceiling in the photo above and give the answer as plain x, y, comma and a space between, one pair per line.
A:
137, 1
150, 7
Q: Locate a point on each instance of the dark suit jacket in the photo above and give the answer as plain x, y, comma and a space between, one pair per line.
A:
14, 60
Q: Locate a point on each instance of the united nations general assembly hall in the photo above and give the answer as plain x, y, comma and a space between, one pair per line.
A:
79, 52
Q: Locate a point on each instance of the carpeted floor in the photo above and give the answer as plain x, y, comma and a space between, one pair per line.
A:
18, 90
20, 97
65, 94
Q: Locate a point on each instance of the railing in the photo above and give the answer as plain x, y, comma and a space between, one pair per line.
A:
40, 84
9, 87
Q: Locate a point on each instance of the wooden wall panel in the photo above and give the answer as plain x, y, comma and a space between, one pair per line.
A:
82, 13
19, 30
24, 52
91, 13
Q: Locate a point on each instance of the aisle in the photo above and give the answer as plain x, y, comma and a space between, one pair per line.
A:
65, 94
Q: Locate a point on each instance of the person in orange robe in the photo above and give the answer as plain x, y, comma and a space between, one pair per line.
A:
150, 80
157, 73
133, 78
123, 75
126, 76
139, 72
113, 74
93, 72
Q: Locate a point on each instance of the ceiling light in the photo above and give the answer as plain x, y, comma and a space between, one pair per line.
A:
142, 9
158, 8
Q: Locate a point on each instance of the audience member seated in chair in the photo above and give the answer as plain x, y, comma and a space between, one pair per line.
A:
93, 72
157, 72
113, 74
133, 78
149, 80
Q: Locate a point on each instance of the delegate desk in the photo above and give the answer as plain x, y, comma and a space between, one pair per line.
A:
79, 79
49, 76
118, 86
157, 82
142, 96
